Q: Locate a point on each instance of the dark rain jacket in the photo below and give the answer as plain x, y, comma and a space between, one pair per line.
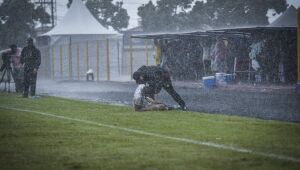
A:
155, 76
31, 57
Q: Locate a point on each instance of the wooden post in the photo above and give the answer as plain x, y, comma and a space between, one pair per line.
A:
78, 66
107, 60
97, 55
147, 53
60, 61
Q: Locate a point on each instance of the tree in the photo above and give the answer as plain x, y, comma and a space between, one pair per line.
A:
18, 19
182, 15
242, 12
167, 15
149, 15
107, 13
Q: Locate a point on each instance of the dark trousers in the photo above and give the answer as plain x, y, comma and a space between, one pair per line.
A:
167, 85
170, 89
18, 75
29, 82
89, 75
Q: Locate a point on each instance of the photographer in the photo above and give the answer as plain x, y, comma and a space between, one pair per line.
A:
13, 67
18, 68
6, 59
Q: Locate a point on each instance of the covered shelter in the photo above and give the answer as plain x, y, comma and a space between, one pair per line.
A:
184, 50
281, 43
280, 35
80, 43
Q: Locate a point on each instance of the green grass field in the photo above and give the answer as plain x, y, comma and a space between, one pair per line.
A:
55, 133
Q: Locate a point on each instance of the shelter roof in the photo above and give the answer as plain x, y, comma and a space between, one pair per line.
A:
189, 35
286, 22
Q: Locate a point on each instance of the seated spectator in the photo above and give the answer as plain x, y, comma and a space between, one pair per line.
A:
90, 74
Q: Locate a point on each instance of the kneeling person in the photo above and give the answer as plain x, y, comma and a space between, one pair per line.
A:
142, 101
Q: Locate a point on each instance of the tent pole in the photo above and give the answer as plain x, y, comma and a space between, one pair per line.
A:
130, 55
298, 49
97, 55
70, 58
87, 55
78, 69
60, 61
107, 60
118, 48
53, 62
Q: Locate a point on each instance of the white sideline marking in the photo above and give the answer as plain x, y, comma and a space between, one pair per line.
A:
209, 144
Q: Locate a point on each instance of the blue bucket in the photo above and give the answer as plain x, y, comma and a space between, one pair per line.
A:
209, 82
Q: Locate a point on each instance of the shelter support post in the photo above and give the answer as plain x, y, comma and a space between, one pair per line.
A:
107, 60
97, 58
53, 62
130, 59
147, 52
234, 68
298, 50
157, 53
78, 68
70, 59
60, 61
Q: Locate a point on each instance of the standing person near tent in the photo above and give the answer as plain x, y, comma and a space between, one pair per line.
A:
219, 56
157, 78
31, 58
206, 56
18, 68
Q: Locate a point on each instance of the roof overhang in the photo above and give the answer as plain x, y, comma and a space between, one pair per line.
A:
242, 32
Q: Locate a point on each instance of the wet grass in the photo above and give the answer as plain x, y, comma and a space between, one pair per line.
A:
33, 141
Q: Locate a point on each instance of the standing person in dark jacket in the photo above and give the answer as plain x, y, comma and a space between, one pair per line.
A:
31, 58
157, 78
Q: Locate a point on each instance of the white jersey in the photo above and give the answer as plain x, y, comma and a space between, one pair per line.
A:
138, 98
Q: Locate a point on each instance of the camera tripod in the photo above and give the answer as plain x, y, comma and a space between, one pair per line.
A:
8, 73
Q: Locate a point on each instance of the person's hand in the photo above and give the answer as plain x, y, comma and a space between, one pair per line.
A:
35, 71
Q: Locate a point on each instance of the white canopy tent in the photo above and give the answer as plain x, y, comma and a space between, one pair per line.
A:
79, 43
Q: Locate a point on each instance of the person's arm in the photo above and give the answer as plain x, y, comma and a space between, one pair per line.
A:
38, 60
23, 56
152, 101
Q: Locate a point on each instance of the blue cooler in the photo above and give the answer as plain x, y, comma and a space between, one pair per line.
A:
209, 82
221, 79
229, 78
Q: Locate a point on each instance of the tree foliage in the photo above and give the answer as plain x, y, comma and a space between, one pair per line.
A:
191, 14
107, 13
18, 19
